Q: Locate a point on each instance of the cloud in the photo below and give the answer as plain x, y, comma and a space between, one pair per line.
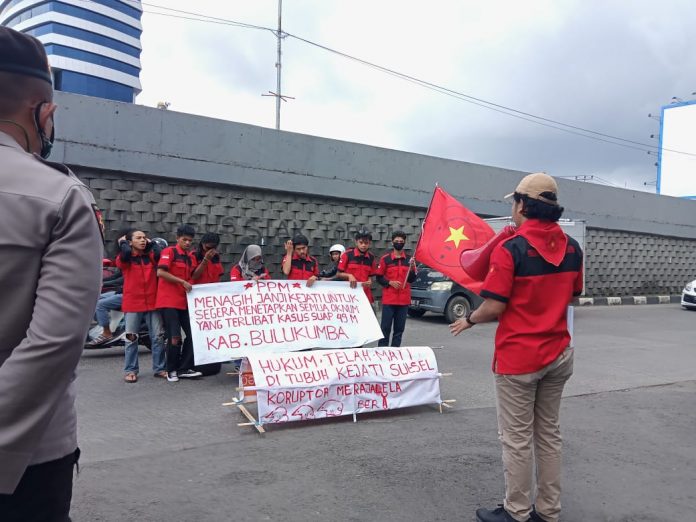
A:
602, 66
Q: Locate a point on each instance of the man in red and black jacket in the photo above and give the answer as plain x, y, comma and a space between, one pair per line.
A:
532, 279
137, 259
297, 263
358, 264
207, 255
395, 272
176, 270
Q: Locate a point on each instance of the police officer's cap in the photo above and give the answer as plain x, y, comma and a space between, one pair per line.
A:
23, 54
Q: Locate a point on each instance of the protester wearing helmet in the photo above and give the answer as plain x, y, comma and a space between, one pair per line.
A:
335, 253
358, 264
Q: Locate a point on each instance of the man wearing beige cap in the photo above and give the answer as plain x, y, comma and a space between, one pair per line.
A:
50, 274
532, 277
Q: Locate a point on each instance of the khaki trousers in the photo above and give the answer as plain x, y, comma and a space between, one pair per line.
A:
528, 427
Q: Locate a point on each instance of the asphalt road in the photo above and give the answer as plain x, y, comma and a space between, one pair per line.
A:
162, 451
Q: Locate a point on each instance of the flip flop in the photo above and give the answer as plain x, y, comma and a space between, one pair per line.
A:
101, 339
131, 377
161, 375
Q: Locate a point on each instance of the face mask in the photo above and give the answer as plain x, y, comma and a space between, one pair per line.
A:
398, 246
46, 142
255, 265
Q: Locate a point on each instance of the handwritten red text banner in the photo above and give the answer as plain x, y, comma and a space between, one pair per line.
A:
236, 319
329, 383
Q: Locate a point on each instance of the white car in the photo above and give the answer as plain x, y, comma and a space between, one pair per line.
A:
688, 299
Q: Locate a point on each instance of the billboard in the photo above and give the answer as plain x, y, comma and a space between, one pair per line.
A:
676, 165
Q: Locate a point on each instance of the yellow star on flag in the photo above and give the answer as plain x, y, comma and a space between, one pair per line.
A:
456, 236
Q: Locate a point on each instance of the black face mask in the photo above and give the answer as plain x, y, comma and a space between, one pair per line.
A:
398, 246
46, 141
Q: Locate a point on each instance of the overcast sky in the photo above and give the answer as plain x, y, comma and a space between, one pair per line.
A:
600, 65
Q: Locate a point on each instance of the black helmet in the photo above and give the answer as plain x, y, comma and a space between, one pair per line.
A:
363, 233
160, 242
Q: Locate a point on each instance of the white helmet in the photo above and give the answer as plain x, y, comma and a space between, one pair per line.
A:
337, 248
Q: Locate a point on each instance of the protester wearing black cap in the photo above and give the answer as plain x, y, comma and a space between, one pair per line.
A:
51, 249
297, 263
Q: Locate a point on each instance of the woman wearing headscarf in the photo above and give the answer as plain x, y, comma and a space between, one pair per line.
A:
250, 266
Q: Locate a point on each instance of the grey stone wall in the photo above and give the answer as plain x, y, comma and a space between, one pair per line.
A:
122, 137
618, 263
624, 263
242, 216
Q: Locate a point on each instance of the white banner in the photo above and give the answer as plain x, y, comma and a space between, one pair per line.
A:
329, 383
240, 318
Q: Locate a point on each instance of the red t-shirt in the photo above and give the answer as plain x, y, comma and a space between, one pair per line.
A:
532, 331
139, 282
212, 271
394, 268
302, 269
362, 266
236, 274
180, 264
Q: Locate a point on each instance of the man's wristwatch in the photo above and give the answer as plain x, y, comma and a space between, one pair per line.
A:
467, 318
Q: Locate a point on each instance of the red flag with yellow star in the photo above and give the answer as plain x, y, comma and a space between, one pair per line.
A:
448, 230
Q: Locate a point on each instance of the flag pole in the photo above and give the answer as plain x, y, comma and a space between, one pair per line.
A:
437, 186
411, 262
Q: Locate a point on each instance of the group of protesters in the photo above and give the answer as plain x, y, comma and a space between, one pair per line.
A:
157, 277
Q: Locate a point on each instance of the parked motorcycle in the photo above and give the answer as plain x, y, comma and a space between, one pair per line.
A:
113, 281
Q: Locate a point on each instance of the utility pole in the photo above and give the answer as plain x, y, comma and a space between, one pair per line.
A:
278, 95
279, 34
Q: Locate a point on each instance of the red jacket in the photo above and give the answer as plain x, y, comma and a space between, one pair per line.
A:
362, 266
139, 278
302, 269
180, 264
536, 272
212, 271
392, 268
236, 274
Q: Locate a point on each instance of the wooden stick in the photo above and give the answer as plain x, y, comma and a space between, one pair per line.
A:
446, 374
232, 373
450, 400
249, 416
246, 424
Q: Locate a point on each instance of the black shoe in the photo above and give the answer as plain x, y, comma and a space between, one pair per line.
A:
189, 374
495, 515
534, 516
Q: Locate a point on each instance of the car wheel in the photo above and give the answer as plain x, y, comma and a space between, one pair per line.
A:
415, 312
457, 307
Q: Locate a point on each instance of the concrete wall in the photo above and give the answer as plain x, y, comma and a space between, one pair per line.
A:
154, 169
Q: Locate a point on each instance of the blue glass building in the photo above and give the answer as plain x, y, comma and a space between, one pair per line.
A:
93, 46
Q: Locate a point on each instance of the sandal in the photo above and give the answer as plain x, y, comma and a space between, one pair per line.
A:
101, 339
131, 377
161, 375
